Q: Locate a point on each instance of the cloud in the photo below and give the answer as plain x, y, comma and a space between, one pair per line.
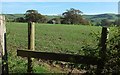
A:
60, 0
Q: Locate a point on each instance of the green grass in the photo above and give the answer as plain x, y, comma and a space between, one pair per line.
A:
48, 38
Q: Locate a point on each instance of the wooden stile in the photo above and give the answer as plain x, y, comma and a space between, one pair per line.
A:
79, 59
59, 57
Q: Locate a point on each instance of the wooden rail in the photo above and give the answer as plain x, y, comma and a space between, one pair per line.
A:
66, 57
59, 57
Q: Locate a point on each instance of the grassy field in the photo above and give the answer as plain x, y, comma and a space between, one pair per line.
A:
49, 38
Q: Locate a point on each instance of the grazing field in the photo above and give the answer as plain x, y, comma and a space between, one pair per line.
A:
48, 38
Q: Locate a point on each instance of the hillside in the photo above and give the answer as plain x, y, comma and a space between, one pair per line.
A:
11, 17
99, 17
92, 18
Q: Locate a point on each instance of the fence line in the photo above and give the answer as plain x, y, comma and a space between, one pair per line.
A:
59, 57
65, 57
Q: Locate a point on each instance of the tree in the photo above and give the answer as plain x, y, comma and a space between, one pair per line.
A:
34, 16
20, 19
73, 16
42, 19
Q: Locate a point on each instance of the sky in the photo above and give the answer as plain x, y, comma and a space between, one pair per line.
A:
57, 8
59, 0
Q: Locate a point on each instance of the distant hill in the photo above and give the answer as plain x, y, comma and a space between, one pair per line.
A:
99, 17
92, 18
11, 17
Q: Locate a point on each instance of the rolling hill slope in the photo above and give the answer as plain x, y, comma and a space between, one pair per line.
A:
92, 18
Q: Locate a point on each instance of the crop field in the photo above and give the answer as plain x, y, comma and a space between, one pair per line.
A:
48, 38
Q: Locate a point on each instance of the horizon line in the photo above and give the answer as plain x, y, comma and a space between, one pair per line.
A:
61, 14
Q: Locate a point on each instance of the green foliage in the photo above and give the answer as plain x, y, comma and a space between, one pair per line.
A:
112, 62
39, 69
73, 16
113, 52
20, 19
34, 16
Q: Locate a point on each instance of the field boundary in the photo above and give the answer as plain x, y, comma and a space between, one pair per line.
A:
30, 53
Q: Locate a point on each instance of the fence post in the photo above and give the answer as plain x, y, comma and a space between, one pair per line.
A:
31, 43
3, 49
103, 51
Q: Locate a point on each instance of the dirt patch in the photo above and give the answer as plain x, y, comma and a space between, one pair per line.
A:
60, 67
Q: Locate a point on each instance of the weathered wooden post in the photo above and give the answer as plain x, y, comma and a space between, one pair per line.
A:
119, 40
31, 43
118, 25
103, 51
3, 49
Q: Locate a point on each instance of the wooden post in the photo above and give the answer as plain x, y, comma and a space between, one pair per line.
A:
119, 41
103, 51
31, 43
3, 49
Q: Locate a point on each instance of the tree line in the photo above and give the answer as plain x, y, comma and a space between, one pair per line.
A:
71, 16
